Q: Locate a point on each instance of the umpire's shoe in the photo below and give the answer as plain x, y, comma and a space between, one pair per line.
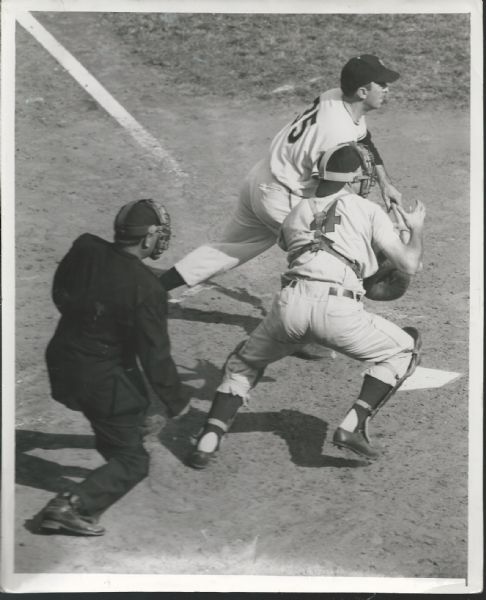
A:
62, 515
356, 442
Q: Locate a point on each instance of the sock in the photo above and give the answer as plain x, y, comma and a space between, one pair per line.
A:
171, 279
372, 392
220, 418
210, 439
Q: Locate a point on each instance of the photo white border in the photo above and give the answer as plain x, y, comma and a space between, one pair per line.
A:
74, 583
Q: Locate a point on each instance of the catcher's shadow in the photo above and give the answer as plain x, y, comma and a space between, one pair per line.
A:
304, 435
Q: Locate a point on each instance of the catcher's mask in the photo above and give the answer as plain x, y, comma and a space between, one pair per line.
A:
141, 217
348, 163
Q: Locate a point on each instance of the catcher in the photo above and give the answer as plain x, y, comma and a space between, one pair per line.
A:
113, 312
333, 241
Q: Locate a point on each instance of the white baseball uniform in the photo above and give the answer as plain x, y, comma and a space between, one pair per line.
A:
274, 186
320, 300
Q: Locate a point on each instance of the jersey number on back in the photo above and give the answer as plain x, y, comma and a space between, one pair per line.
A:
326, 221
308, 117
331, 219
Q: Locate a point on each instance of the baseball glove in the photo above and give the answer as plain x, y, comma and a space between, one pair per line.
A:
388, 283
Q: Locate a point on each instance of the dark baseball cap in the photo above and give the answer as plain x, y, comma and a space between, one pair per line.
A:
363, 69
135, 218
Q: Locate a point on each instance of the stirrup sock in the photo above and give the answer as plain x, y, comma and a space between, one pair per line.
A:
221, 416
372, 392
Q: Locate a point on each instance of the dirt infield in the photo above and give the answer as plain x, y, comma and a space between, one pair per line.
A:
279, 500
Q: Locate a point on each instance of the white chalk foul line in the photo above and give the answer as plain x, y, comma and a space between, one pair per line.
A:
147, 141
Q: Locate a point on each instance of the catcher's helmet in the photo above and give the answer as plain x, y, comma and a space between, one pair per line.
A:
348, 163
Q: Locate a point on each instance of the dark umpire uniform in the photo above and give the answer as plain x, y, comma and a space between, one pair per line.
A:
113, 310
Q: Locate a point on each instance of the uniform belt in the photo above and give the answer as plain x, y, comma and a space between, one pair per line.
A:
332, 291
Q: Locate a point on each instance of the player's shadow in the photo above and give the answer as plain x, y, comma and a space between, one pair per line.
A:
43, 474
304, 435
210, 376
247, 322
184, 313
241, 295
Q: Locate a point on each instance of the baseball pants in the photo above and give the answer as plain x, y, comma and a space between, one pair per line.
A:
116, 409
262, 206
306, 313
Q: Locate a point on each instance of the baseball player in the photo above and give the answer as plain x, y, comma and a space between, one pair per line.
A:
113, 312
288, 173
334, 241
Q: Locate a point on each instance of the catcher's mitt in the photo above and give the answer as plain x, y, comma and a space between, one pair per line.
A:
388, 283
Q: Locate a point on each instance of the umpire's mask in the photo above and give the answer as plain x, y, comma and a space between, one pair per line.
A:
140, 217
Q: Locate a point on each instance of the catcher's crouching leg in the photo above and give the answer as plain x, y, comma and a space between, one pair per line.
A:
221, 416
352, 434
239, 377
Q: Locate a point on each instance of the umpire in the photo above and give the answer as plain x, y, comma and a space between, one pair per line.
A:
113, 311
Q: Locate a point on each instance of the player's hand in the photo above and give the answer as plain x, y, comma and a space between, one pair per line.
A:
413, 220
390, 195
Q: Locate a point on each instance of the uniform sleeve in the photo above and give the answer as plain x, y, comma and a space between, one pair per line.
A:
153, 350
383, 231
66, 276
281, 243
372, 148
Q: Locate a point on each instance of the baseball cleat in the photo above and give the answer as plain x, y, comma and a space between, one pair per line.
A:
200, 459
60, 516
356, 442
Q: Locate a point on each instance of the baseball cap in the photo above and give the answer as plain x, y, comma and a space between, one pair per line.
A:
364, 69
139, 217
340, 163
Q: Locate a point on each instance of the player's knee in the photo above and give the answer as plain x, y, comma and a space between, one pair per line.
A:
391, 370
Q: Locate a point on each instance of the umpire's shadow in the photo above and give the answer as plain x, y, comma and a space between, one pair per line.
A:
44, 474
41, 473
304, 435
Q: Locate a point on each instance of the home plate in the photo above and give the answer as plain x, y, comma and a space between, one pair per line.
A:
424, 378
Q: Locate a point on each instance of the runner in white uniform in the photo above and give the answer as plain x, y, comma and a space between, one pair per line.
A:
331, 240
288, 173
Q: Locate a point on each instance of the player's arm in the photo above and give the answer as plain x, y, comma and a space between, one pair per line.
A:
407, 257
153, 350
388, 190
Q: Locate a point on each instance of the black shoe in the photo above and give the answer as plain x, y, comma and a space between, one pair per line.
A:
356, 442
199, 459
61, 515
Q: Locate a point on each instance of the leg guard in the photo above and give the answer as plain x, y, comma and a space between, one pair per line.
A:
359, 440
236, 352
414, 362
